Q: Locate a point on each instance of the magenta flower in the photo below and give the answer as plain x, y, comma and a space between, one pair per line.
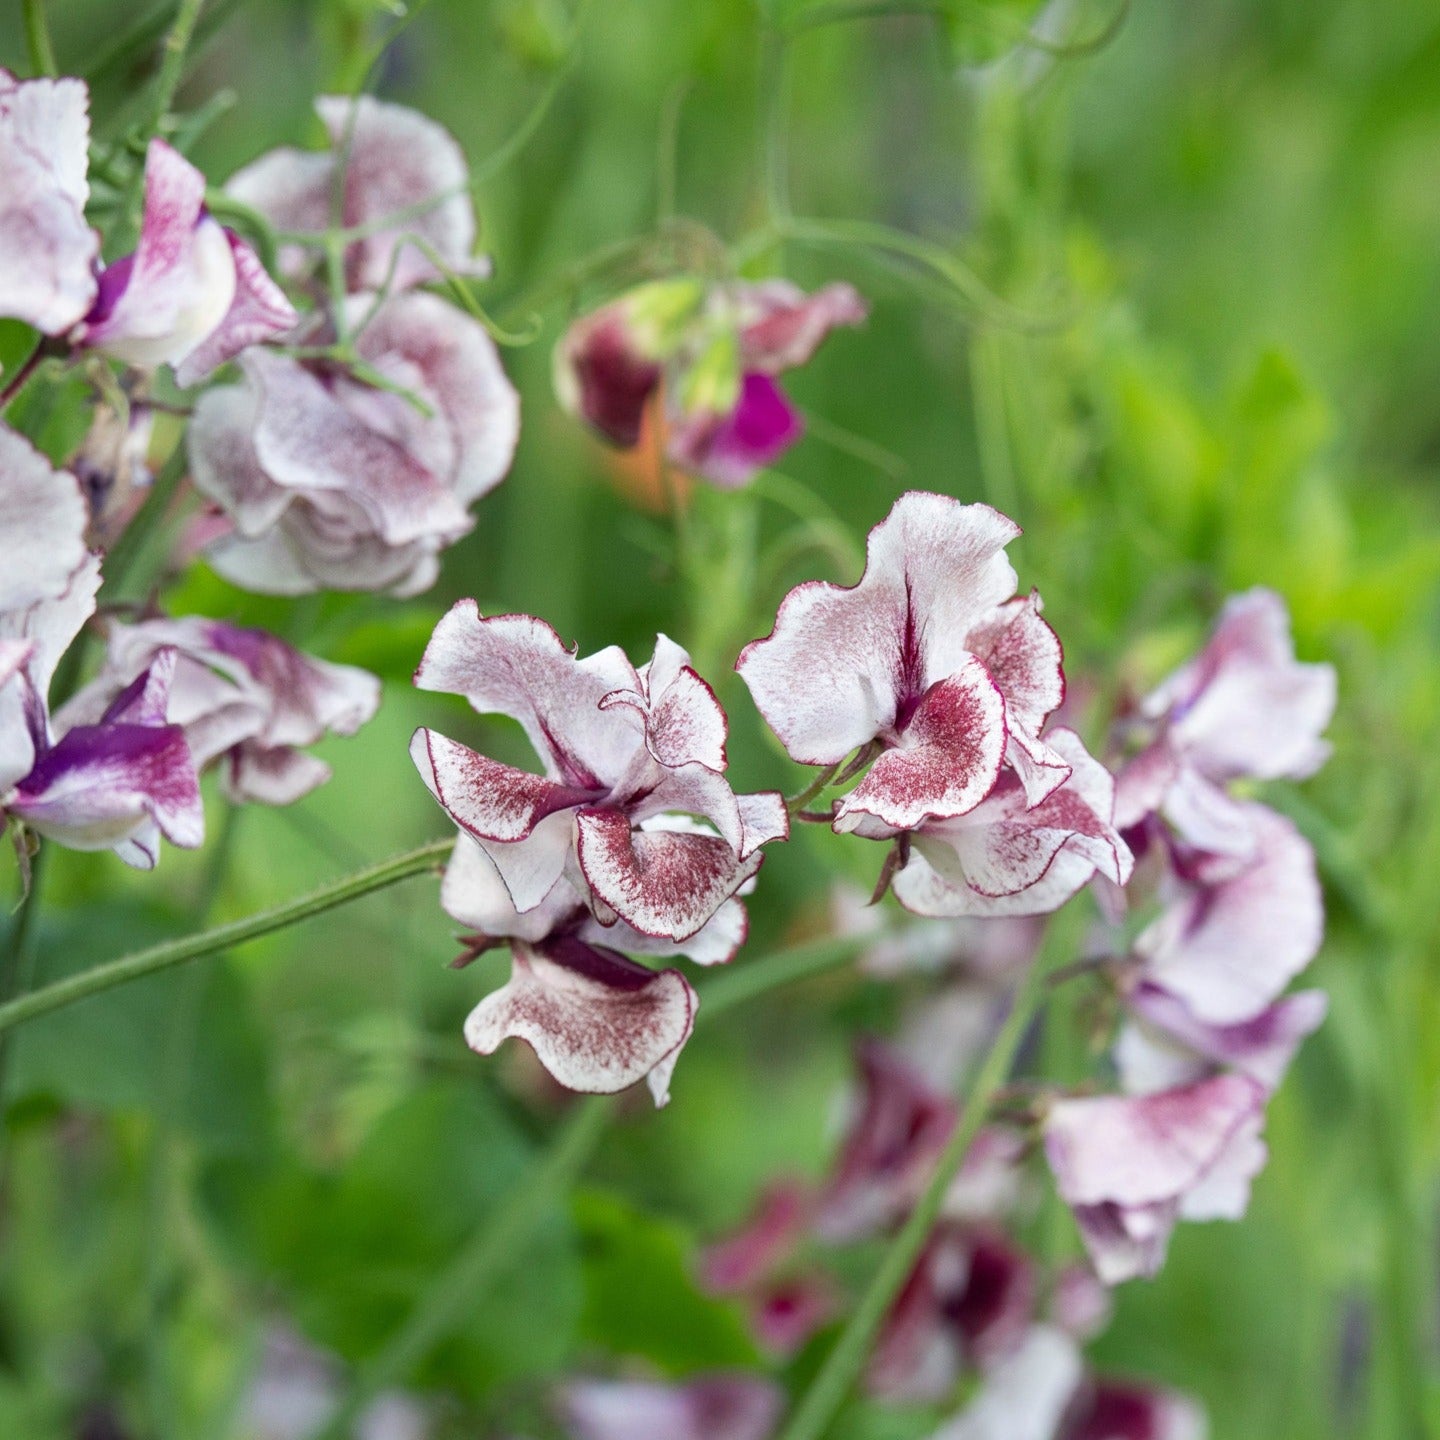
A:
245, 699
47, 250
967, 1303
708, 1407
1244, 708
715, 352
1130, 1166
405, 180
193, 295
331, 483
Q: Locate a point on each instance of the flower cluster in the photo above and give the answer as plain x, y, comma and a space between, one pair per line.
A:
714, 351
1210, 1032
631, 841
935, 682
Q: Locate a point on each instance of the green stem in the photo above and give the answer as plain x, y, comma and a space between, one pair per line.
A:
799, 801
496, 1245
37, 38
172, 62
104, 977
133, 540
827, 1392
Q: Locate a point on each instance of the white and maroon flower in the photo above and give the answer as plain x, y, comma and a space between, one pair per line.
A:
895, 1136
332, 483
47, 251
709, 1407
1130, 1166
620, 748
1041, 1392
405, 181
967, 1302
193, 295
1236, 932
246, 700
1244, 708
716, 354
1009, 857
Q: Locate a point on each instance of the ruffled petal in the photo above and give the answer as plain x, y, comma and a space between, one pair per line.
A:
710, 1407
260, 311
948, 759
517, 665
664, 883
271, 775
716, 942
841, 663
744, 1259
1112, 1411
597, 1022
684, 722
486, 799
1229, 948
1027, 1395
43, 519
47, 251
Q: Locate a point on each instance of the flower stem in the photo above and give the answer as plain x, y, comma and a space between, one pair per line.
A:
224, 937
37, 38
494, 1246
827, 1392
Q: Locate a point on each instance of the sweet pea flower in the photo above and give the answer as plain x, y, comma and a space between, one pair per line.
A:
1041, 1392
122, 781
967, 1302
193, 294
246, 700
1006, 858
1130, 1166
928, 660
332, 483
619, 747
724, 1406
405, 181
1235, 933
47, 251
716, 352
1243, 709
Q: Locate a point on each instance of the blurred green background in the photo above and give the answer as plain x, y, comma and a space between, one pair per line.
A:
1211, 360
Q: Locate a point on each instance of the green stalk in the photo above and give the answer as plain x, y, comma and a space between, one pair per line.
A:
166, 956
494, 1246
830, 1387
37, 38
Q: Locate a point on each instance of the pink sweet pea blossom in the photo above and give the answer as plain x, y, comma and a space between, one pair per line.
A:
47, 251
245, 699
331, 483
715, 352
708, 1407
405, 180
193, 295
1244, 708
1130, 1166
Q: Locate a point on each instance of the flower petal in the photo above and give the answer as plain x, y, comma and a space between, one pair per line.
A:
742, 1260
948, 759
709, 1407
782, 327
1026, 1396
259, 311
840, 663
664, 883
730, 450
43, 519
596, 1021
684, 722
1114, 1411
47, 251
1229, 948
517, 665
